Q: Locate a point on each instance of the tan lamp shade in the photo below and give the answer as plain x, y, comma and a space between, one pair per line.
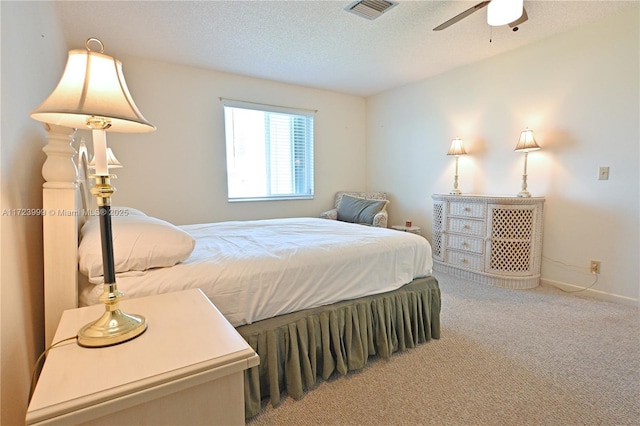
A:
92, 86
526, 142
457, 147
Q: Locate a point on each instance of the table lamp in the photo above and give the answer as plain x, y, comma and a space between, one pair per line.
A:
525, 144
457, 149
92, 93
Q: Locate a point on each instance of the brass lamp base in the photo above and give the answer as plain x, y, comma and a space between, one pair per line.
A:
111, 328
114, 326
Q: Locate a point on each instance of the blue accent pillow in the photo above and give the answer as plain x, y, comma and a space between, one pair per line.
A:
358, 210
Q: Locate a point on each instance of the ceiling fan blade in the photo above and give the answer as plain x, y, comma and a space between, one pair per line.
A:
520, 20
461, 16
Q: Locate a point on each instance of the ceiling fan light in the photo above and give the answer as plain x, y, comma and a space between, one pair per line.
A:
504, 12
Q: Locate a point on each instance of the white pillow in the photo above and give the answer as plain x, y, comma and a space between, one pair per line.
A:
139, 243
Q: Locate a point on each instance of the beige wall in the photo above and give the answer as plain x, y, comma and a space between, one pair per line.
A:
579, 92
33, 56
178, 172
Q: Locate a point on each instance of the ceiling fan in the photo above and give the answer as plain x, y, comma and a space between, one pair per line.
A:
513, 25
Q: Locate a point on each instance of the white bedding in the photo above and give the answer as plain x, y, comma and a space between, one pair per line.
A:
253, 270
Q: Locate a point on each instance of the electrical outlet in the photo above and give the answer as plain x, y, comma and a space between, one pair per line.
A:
595, 267
603, 173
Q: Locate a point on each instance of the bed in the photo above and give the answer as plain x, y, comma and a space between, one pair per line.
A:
308, 301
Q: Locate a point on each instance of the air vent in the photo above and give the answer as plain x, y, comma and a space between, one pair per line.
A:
370, 9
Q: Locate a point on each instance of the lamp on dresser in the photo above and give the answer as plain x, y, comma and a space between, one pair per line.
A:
457, 149
92, 93
526, 143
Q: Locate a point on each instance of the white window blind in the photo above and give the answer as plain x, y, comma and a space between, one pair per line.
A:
269, 152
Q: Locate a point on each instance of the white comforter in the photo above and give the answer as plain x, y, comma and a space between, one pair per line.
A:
253, 270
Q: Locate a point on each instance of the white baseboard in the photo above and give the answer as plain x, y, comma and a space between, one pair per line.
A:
596, 294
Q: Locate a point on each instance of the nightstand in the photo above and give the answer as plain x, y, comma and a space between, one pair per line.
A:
187, 368
412, 229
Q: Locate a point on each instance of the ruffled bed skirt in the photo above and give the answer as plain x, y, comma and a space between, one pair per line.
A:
297, 349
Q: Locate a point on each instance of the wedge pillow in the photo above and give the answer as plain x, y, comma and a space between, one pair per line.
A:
359, 210
140, 242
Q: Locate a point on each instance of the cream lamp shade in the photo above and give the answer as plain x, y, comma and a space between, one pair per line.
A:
504, 12
92, 85
526, 142
457, 147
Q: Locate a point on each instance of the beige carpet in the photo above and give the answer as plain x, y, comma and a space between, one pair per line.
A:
506, 357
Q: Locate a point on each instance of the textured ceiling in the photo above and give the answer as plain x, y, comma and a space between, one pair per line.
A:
315, 43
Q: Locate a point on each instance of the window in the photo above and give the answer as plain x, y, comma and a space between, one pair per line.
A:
269, 152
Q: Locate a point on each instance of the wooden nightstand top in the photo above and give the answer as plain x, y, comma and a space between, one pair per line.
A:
187, 338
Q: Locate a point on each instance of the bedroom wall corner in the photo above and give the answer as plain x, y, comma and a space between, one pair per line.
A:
579, 92
33, 57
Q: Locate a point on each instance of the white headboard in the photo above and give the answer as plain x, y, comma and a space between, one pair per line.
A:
62, 211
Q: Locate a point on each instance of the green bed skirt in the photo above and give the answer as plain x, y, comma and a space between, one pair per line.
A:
298, 349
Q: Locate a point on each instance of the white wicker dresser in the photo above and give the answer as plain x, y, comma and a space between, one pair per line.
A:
487, 239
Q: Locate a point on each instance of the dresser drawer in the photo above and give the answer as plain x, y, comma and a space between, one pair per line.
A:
474, 210
460, 242
466, 226
465, 260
